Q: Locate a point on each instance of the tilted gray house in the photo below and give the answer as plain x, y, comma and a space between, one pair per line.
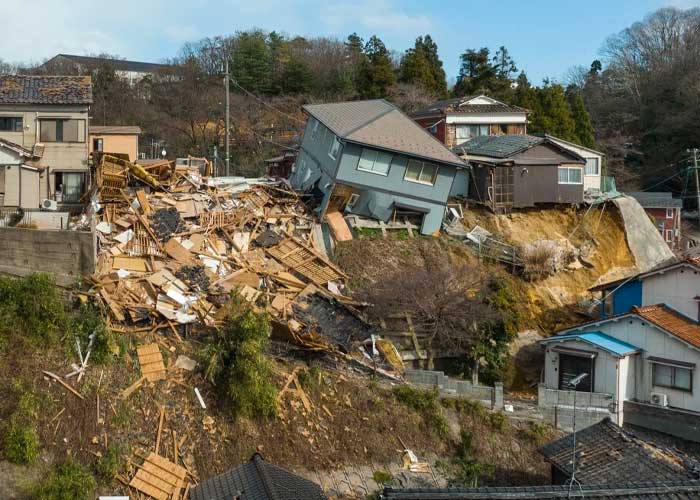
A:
369, 159
520, 171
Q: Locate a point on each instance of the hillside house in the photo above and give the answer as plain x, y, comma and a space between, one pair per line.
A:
131, 71
519, 171
115, 139
676, 284
665, 211
43, 139
650, 355
455, 121
368, 158
593, 171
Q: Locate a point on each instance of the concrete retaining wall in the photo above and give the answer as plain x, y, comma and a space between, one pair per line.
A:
491, 396
65, 254
557, 407
680, 423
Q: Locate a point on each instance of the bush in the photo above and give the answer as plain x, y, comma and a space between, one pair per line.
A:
427, 403
464, 469
86, 321
537, 433
538, 262
382, 476
309, 378
21, 444
498, 421
464, 405
69, 481
32, 307
236, 362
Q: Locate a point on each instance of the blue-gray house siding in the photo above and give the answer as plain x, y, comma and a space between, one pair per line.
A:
379, 195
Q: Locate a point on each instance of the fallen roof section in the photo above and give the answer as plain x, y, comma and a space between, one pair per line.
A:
379, 124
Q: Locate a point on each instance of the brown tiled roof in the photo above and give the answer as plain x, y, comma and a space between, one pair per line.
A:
672, 321
461, 105
115, 129
22, 89
379, 124
607, 453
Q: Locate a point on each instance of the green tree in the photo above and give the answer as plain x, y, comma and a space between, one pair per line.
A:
422, 66
237, 364
376, 74
251, 66
476, 73
296, 77
582, 121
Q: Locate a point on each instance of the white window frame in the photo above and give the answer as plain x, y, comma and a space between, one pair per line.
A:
669, 239
597, 167
352, 201
423, 164
669, 213
335, 148
371, 170
559, 169
673, 385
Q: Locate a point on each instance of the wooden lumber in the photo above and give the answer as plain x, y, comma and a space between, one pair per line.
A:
129, 390
66, 386
159, 478
151, 361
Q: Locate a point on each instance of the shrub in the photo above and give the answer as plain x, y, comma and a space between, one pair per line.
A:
537, 433
87, 320
382, 476
498, 421
21, 444
427, 403
236, 362
464, 469
69, 481
110, 463
464, 405
309, 378
538, 262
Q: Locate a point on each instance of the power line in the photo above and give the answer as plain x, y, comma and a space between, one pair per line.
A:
662, 181
268, 140
268, 105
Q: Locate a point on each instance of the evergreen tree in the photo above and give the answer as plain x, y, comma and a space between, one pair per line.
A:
476, 73
251, 65
354, 46
296, 77
556, 118
422, 66
582, 121
279, 50
376, 73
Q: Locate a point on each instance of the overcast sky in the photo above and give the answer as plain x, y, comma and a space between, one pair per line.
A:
545, 37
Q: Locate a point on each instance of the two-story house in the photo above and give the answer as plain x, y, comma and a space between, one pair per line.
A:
369, 159
665, 211
43, 139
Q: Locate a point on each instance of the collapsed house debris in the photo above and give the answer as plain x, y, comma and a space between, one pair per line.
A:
173, 244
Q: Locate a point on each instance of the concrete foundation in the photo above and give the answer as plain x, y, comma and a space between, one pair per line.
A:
66, 254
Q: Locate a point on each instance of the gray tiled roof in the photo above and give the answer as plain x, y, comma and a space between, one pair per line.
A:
379, 124
257, 480
118, 64
499, 146
606, 453
461, 105
675, 490
656, 199
21, 89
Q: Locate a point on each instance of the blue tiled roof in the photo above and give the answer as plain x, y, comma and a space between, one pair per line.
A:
598, 339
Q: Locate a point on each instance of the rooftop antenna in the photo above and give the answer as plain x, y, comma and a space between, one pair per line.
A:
574, 382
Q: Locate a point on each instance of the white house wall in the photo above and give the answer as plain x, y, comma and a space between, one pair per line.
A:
655, 343
484, 118
605, 371
675, 288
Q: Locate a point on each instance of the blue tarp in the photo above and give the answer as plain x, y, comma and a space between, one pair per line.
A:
598, 339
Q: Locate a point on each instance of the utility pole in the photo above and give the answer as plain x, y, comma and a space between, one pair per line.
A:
228, 125
697, 180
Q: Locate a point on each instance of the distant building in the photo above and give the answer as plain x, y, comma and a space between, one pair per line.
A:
369, 159
455, 121
257, 479
665, 210
115, 139
43, 139
132, 71
281, 166
519, 171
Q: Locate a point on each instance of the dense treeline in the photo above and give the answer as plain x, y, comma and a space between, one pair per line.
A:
273, 74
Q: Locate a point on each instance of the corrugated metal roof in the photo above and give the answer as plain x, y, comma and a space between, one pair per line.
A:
598, 339
607, 453
379, 124
22, 89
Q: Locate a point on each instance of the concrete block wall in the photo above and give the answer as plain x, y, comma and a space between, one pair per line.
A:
455, 387
66, 254
557, 407
680, 423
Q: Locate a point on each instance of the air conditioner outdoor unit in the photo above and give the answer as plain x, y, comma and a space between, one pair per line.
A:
659, 399
49, 205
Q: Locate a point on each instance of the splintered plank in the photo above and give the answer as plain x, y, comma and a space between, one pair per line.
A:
305, 261
159, 478
151, 361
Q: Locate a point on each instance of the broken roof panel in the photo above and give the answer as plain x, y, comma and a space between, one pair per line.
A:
500, 146
379, 124
23, 89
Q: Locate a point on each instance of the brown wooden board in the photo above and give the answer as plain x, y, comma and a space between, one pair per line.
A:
151, 361
305, 261
159, 478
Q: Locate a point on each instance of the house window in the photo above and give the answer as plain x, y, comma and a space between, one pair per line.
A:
335, 148
377, 162
570, 175
352, 201
669, 213
98, 144
422, 172
669, 235
673, 377
71, 185
469, 131
10, 123
592, 166
571, 366
55, 130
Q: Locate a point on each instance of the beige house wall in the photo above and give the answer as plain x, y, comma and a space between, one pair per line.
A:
118, 143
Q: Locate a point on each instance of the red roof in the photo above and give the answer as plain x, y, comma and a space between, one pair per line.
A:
672, 321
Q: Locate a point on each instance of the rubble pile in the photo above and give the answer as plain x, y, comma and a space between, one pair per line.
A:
174, 243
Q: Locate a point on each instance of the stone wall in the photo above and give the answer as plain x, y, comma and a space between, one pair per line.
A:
490, 396
66, 254
680, 423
